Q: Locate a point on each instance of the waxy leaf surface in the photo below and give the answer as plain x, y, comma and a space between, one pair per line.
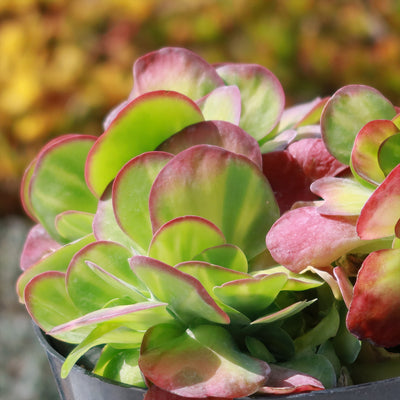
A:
374, 313
186, 297
73, 225
183, 238
311, 238
199, 363
382, 210
130, 196
262, 96
221, 186
217, 133
177, 69
141, 126
364, 156
346, 112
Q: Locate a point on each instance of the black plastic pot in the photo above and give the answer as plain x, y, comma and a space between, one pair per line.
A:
84, 385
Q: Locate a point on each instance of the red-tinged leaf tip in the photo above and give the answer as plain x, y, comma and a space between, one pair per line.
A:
287, 381
173, 68
310, 238
287, 179
345, 286
374, 312
314, 158
381, 212
217, 133
37, 245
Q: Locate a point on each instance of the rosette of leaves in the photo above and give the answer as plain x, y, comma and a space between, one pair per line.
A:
353, 232
150, 239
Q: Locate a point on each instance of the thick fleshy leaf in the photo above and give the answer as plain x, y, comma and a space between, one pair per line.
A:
141, 126
364, 156
217, 133
311, 238
183, 238
346, 112
279, 142
173, 68
374, 313
130, 196
389, 153
38, 244
156, 393
58, 260
342, 196
221, 186
199, 363
120, 365
105, 225
102, 334
49, 305
283, 313
90, 290
225, 255
185, 295
223, 104
140, 317
73, 225
315, 159
24, 190
345, 286
284, 380
58, 182
287, 179
262, 95
251, 296
382, 210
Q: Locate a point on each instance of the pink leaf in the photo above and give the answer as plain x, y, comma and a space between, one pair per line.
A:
303, 237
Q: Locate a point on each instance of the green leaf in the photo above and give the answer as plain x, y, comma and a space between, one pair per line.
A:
139, 127
200, 362
72, 225
346, 112
221, 186
130, 197
389, 154
258, 349
186, 297
58, 181
90, 289
49, 305
182, 238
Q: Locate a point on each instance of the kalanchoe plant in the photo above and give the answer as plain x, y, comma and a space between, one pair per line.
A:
150, 241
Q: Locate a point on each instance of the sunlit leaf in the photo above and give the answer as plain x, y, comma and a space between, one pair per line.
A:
73, 225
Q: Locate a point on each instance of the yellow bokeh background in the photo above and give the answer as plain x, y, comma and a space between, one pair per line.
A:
65, 63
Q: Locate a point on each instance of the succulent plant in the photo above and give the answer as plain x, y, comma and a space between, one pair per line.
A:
150, 241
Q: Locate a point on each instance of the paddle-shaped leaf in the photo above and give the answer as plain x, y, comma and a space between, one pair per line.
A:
186, 297
374, 312
342, 196
223, 104
49, 305
136, 130
262, 96
173, 68
223, 187
38, 244
225, 255
251, 296
182, 238
217, 133
73, 225
58, 182
389, 153
130, 196
382, 210
346, 112
364, 156
260, 90
57, 260
200, 362
90, 290
311, 238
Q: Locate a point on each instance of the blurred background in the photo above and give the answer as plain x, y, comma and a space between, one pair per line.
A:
65, 63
